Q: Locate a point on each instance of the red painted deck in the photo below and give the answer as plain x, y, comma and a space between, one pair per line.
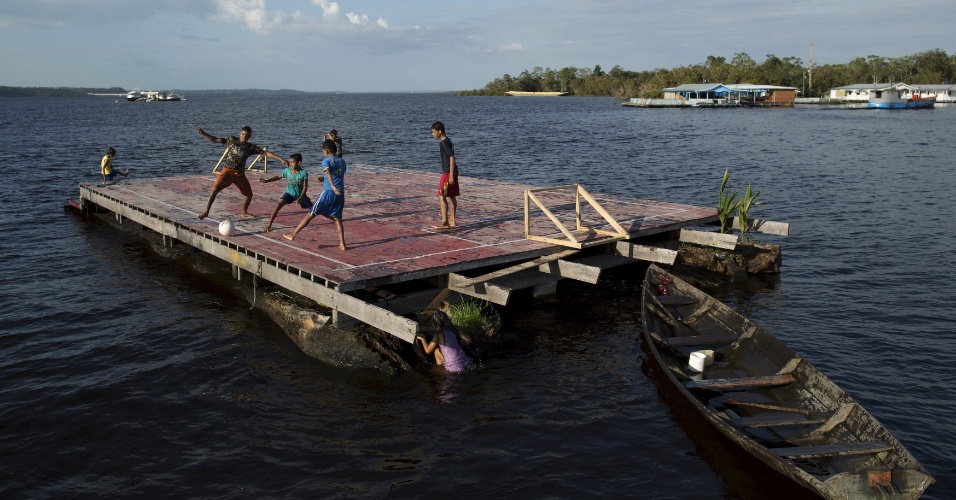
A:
389, 214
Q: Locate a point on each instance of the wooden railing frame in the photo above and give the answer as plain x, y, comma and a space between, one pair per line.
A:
261, 156
572, 241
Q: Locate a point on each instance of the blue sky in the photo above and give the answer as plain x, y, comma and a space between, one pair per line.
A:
420, 45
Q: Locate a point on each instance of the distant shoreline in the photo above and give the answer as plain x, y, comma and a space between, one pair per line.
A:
118, 91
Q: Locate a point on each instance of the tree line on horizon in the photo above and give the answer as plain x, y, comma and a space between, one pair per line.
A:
56, 91
930, 67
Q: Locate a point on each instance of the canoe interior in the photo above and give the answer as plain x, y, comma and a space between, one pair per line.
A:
769, 400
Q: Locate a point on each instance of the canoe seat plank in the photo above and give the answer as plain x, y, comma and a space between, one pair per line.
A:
716, 338
740, 383
676, 300
830, 450
772, 419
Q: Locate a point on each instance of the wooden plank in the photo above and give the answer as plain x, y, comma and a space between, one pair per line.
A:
716, 338
516, 268
778, 420
830, 450
644, 252
604, 213
676, 300
436, 301
369, 314
551, 216
484, 291
740, 383
765, 226
587, 269
709, 238
765, 406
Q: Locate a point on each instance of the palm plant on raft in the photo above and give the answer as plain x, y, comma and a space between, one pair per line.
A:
744, 207
727, 204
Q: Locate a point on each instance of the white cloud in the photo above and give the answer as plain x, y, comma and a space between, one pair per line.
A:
354, 18
329, 9
256, 16
250, 13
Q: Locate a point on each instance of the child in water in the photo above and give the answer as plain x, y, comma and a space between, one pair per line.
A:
443, 341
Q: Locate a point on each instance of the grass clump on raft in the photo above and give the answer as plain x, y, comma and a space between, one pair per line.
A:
476, 319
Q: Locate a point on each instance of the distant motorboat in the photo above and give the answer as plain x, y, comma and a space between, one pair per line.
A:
893, 99
170, 96
134, 95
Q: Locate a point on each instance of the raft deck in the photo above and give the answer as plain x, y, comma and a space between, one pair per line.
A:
389, 221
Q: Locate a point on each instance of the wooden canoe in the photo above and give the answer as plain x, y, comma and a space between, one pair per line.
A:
776, 405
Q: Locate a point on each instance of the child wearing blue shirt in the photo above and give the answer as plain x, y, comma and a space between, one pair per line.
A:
332, 201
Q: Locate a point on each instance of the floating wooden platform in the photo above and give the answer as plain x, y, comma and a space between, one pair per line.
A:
389, 218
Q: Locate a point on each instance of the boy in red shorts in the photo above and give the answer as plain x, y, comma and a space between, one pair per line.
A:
238, 150
448, 187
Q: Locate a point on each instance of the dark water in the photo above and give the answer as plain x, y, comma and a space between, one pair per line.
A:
123, 374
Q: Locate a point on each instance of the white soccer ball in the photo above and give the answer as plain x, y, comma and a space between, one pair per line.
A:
226, 228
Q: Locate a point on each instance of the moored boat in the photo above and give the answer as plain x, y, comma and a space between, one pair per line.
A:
521, 93
770, 401
134, 95
170, 96
892, 99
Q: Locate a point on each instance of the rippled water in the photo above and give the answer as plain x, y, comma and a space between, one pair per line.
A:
125, 374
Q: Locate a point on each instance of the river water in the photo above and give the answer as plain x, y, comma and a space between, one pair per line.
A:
123, 374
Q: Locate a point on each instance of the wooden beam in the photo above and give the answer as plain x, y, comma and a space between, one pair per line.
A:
484, 291
778, 420
579, 192
516, 268
716, 338
765, 226
384, 320
607, 217
587, 270
739, 383
643, 252
709, 238
830, 450
551, 216
499, 290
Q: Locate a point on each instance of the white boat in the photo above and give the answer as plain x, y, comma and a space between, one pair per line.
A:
892, 99
171, 96
134, 95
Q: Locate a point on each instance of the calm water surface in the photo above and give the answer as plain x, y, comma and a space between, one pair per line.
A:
123, 374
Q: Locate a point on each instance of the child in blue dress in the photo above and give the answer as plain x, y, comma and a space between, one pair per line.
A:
332, 201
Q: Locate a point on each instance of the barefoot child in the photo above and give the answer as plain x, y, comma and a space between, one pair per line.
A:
238, 150
448, 190
296, 186
332, 200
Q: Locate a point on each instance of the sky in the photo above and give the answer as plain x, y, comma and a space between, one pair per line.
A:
424, 45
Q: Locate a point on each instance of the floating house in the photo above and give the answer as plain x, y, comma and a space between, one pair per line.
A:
860, 93
764, 95
713, 95
706, 94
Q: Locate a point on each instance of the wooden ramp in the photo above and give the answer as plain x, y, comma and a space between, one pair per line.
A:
389, 218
